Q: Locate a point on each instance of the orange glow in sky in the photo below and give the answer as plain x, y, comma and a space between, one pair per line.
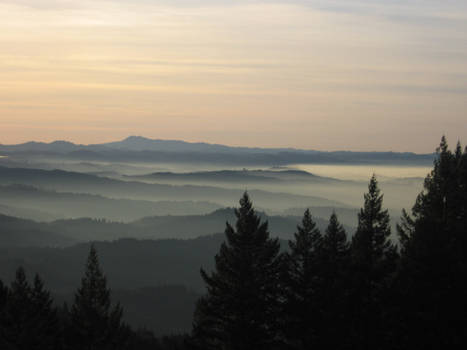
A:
327, 75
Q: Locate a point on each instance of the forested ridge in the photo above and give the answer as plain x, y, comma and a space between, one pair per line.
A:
330, 289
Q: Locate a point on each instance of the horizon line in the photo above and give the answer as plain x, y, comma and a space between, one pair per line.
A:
211, 144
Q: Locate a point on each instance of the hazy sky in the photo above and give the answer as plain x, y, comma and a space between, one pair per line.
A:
317, 74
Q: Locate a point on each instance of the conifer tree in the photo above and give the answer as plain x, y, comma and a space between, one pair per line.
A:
432, 282
46, 331
333, 292
239, 311
301, 282
334, 248
30, 320
374, 261
95, 323
18, 312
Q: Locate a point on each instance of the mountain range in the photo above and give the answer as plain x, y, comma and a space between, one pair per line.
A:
142, 149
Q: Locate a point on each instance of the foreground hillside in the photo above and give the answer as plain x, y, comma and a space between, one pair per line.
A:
157, 281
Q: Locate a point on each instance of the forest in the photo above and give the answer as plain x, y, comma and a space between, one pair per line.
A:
326, 288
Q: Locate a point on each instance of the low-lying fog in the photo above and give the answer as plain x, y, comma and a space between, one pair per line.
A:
340, 186
364, 172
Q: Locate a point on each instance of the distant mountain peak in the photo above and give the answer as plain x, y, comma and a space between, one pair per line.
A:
62, 142
137, 138
166, 150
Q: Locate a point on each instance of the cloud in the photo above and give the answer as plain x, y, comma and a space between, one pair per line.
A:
426, 12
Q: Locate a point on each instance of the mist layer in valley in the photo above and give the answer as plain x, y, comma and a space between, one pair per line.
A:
157, 210
137, 177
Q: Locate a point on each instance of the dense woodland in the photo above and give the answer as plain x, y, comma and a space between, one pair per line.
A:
330, 289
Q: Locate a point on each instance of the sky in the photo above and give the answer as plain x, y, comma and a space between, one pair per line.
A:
313, 74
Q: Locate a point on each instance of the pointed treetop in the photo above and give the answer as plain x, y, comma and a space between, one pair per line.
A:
92, 257
94, 283
443, 146
373, 199
39, 290
333, 217
246, 206
307, 238
247, 218
242, 290
334, 223
93, 269
371, 240
95, 323
335, 233
458, 150
20, 284
38, 283
373, 185
307, 222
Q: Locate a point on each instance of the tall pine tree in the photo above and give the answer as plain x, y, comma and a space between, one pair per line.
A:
47, 331
333, 292
432, 281
29, 318
302, 313
239, 311
18, 312
95, 323
374, 261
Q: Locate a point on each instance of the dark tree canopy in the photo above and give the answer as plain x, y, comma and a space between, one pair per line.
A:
374, 261
301, 282
334, 265
28, 319
239, 311
95, 323
432, 280
373, 253
335, 247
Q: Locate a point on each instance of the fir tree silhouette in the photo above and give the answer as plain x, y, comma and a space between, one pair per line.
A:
374, 261
239, 311
95, 323
29, 318
302, 314
432, 282
334, 261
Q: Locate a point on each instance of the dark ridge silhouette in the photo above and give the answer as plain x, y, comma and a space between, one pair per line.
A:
239, 176
141, 149
66, 232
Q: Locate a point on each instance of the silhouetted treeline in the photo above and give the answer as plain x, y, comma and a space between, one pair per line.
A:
29, 320
329, 290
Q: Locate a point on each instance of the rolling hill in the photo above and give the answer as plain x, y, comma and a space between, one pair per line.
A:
59, 205
20, 232
63, 181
